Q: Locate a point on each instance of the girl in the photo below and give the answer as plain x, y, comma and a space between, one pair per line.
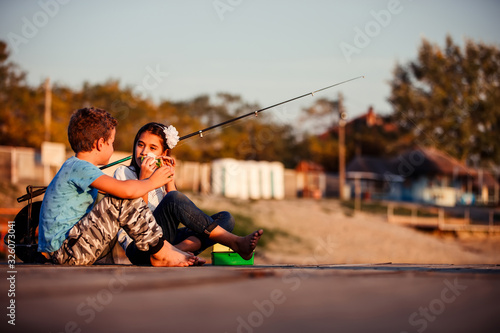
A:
151, 149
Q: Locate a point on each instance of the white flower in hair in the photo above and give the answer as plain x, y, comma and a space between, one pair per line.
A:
172, 136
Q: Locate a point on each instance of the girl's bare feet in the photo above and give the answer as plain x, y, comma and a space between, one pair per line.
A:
170, 256
246, 245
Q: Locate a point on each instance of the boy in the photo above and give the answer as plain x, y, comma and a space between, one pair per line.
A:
72, 230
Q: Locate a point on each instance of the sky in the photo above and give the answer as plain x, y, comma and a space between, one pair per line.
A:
266, 51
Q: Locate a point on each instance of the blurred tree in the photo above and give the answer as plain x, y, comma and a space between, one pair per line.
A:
257, 138
368, 134
252, 138
62, 107
323, 150
21, 107
128, 108
450, 98
321, 116
320, 143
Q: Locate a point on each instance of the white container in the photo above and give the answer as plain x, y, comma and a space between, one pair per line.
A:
248, 179
277, 180
265, 178
228, 176
254, 182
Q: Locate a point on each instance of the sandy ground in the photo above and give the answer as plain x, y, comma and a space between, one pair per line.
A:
312, 232
323, 232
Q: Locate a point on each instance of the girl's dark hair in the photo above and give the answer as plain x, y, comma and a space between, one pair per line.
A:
153, 128
87, 126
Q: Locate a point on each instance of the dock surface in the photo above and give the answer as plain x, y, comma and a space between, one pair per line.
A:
268, 298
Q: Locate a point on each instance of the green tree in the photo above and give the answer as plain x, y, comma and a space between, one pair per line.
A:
320, 142
22, 110
251, 138
368, 134
131, 110
449, 98
21, 107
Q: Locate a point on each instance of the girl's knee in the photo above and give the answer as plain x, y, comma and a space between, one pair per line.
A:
226, 220
176, 196
173, 194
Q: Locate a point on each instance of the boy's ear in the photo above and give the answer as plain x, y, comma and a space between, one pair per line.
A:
99, 144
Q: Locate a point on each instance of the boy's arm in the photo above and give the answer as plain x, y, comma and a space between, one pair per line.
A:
131, 189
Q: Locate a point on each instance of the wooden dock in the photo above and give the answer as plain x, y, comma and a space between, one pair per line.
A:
254, 299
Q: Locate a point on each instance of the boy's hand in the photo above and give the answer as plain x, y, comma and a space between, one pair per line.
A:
162, 176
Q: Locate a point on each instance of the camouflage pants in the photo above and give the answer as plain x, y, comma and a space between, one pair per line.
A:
88, 238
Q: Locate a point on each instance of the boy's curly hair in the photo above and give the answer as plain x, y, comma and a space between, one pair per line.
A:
87, 126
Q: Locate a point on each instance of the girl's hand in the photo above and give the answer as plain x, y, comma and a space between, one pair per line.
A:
170, 162
167, 160
148, 167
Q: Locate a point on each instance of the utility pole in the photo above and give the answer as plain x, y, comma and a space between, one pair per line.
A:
48, 109
342, 122
47, 121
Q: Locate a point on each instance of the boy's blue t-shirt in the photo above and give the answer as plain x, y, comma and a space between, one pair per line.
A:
68, 198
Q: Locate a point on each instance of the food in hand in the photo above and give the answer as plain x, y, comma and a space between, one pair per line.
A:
158, 160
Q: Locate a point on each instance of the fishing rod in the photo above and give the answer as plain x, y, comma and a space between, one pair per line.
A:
200, 132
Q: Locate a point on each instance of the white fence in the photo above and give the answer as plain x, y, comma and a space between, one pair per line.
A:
17, 164
226, 177
248, 179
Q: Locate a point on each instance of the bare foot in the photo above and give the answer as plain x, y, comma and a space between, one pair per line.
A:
169, 256
245, 245
199, 261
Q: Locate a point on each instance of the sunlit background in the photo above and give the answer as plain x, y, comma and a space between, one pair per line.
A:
265, 51
417, 141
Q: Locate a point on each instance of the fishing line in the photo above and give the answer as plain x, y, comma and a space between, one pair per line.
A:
200, 133
223, 124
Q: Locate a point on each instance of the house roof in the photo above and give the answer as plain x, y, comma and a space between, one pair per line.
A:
368, 119
367, 167
368, 164
308, 166
425, 160
413, 163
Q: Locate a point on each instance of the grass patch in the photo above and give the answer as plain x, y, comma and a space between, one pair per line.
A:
245, 225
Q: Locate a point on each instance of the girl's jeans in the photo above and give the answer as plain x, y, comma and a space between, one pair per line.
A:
177, 208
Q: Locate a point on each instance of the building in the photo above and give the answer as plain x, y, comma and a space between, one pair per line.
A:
424, 175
